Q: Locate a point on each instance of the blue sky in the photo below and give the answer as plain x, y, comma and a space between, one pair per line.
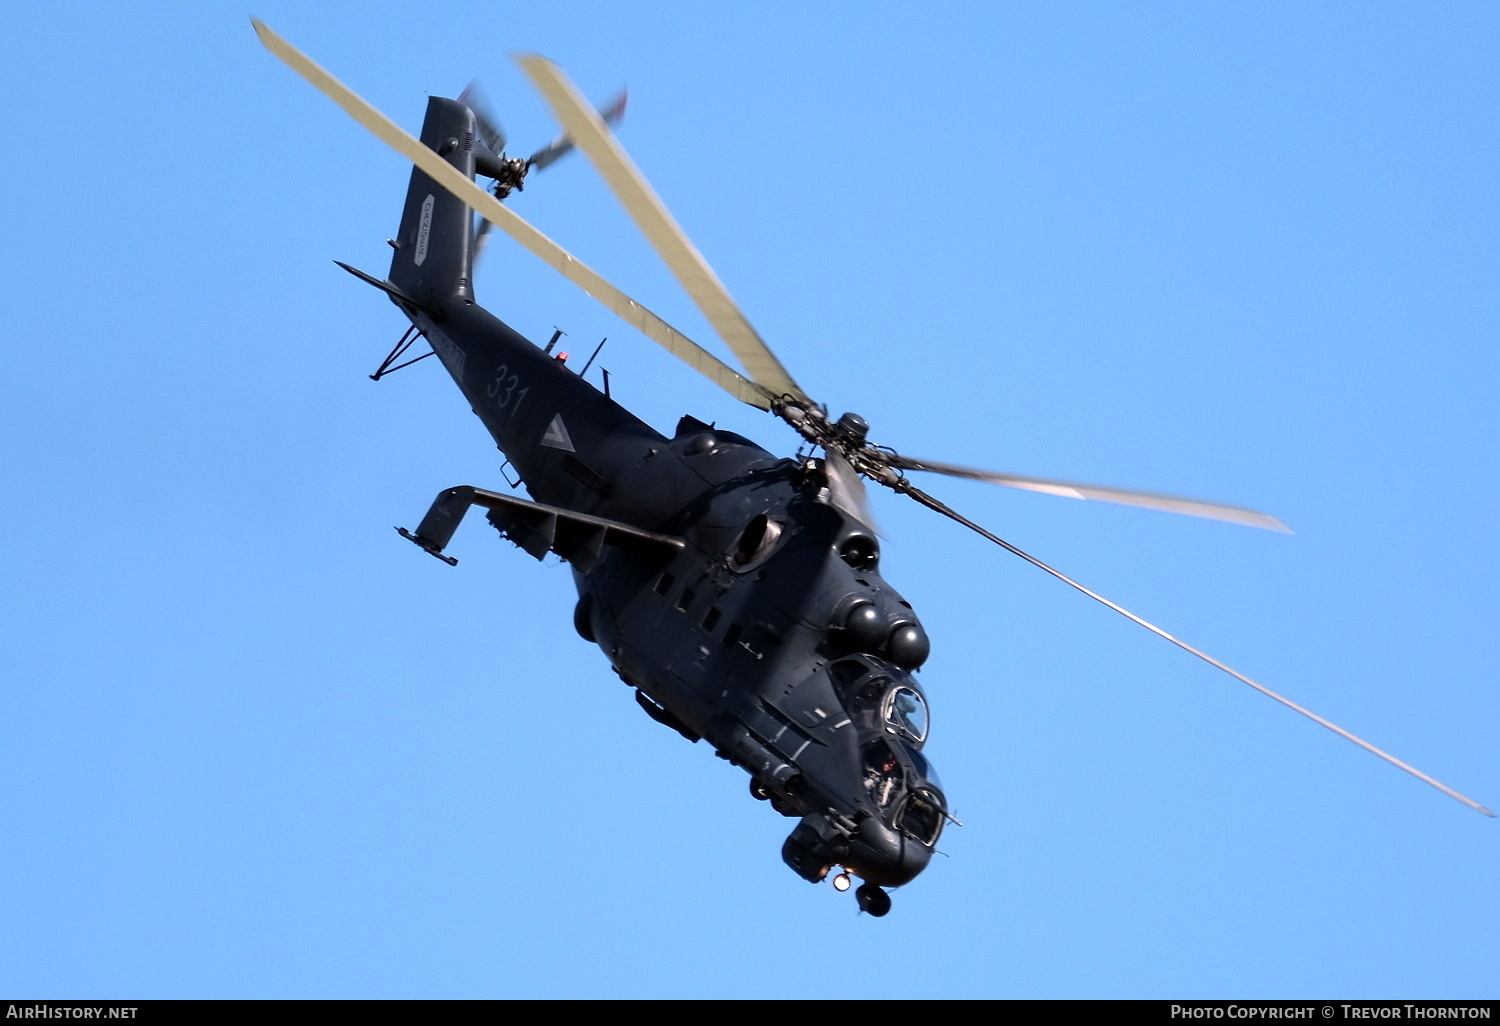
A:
252, 744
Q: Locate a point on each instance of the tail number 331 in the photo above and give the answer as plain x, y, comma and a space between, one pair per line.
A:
503, 391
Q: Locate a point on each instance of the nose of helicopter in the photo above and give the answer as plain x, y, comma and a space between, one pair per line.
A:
885, 856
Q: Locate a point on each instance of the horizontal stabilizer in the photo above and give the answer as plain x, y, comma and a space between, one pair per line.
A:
390, 290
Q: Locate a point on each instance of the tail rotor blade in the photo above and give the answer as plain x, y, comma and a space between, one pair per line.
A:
610, 114
490, 132
935, 504
481, 235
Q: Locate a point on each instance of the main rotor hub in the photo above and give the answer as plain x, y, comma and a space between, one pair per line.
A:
847, 437
854, 427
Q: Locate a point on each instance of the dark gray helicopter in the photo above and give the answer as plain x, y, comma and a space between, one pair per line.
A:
739, 593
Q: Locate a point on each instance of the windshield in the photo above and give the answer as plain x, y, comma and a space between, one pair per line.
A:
906, 714
923, 767
922, 817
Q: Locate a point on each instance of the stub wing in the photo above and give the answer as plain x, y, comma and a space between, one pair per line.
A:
539, 529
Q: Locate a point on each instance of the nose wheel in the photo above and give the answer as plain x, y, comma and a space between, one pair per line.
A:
872, 899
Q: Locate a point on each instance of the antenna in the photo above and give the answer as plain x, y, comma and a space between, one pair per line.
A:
591, 358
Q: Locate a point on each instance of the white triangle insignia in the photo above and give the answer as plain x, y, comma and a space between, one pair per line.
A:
557, 436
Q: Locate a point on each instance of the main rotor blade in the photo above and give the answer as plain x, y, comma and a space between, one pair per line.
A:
846, 489
630, 187
1073, 490
488, 207
935, 504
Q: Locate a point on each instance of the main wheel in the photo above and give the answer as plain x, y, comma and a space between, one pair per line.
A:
873, 900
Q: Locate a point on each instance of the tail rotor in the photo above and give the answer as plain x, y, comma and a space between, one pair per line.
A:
509, 173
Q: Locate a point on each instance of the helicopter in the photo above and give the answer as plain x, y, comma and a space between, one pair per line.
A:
738, 593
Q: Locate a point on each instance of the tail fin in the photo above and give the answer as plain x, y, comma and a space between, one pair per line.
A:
433, 254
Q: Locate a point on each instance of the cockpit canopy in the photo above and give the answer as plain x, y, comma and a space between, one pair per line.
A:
881, 697
904, 792
889, 710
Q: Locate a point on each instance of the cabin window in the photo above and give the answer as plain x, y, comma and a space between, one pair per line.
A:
711, 618
664, 583
847, 673
868, 708
688, 594
731, 635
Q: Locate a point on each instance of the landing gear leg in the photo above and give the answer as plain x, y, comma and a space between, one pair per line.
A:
872, 899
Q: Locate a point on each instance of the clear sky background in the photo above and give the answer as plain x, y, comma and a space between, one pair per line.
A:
253, 744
